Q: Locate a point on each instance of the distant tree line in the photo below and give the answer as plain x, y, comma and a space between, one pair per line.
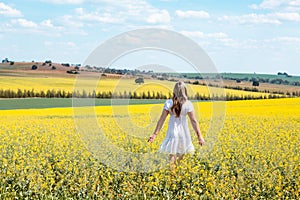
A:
255, 80
112, 70
248, 89
8, 93
266, 80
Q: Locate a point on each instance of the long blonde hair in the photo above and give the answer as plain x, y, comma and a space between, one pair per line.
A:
179, 97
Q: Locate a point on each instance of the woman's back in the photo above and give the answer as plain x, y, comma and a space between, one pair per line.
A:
187, 106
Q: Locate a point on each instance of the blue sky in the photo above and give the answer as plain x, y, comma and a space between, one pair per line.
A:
261, 36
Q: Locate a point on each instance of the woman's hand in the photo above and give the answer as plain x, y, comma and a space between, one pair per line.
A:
201, 140
152, 137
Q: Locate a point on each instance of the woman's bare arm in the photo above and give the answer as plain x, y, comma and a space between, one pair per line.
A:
159, 125
195, 126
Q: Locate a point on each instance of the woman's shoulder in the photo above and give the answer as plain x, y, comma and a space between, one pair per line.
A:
170, 101
187, 102
168, 104
189, 106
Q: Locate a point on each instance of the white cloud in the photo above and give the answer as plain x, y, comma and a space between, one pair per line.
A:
70, 21
9, 11
79, 11
282, 5
290, 40
252, 19
47, 23
294, 3
67, 43
202, 35
25, 23
162, 16
221, 39
288, 16
271, 18
64, 1
280, 10
45, 28
268, 4
242, 44
135, 10
96, 16
71, 44
192, 13
127, 12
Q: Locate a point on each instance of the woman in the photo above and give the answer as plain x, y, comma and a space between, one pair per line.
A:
178, 139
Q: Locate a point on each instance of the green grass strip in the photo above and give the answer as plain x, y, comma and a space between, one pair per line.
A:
34, 103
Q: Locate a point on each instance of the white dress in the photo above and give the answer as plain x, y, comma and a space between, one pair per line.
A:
178, 139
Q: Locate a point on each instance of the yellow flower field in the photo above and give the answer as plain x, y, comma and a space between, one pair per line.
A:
112, 85
43, 155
